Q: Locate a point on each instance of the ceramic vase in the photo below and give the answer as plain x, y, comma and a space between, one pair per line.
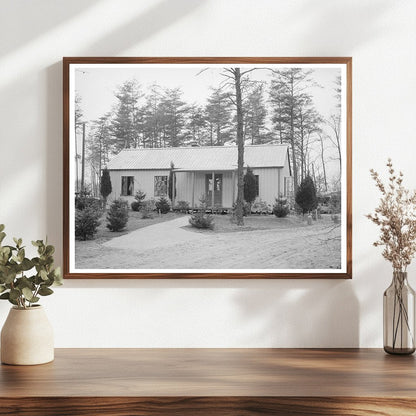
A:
27, 337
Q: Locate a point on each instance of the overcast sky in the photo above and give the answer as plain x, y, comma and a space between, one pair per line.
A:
96, 85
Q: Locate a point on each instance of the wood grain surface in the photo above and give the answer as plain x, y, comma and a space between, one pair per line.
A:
212, 381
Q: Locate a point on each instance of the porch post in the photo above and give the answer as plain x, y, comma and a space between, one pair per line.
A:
213, 191
193, 190
173, 189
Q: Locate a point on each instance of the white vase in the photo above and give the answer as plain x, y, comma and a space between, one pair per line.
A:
27, 337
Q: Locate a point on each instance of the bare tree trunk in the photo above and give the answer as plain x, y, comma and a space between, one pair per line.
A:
292, 141
323, 163
240, 146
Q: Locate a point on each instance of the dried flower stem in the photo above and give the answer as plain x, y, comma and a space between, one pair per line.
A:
396, 216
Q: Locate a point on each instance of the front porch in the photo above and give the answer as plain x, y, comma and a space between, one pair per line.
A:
217, 187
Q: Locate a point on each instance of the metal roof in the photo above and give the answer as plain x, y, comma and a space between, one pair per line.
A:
205, 158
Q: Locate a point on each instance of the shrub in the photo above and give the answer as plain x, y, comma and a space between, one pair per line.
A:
182, 206
280, 208
306, 195
261, 207
86, 223
83, 201
137, 204
202, 220
335, 203
105, 186
246, 209
118, 215
163, 205
148, 208
250, 189
171, 191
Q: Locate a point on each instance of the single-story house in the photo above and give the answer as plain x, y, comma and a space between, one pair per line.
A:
199, 171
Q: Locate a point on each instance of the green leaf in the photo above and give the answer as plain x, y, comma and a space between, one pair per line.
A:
21, 254
25, 282
43, 274
8, 277
27, 293
2, 227
15, 294
2, 236
45, 291
2, 289
26, 264
49, 250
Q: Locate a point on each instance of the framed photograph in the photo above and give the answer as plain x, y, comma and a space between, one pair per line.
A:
207, 168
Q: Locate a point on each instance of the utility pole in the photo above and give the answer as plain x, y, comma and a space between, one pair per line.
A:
83, 159
76, 162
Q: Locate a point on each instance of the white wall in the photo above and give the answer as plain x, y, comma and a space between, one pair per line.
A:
380, 35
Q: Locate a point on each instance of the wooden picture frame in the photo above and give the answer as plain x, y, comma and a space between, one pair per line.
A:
98, 78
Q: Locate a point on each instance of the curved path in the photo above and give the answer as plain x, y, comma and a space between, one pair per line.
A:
156, 236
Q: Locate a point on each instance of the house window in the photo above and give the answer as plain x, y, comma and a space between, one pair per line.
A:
257, 185
127, 185
161, 185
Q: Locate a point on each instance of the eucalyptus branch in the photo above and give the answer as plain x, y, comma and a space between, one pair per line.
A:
18, 287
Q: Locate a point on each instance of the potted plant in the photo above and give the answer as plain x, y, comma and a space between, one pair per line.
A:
396, 217
27, 336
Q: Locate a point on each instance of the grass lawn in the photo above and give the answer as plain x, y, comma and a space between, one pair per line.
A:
224, 224
134, 223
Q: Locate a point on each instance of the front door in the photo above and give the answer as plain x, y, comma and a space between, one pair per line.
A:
216, 187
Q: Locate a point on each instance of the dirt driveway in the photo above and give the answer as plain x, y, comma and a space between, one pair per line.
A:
170, 245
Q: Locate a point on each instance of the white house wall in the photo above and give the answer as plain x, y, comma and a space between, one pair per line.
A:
271, 183
144, 180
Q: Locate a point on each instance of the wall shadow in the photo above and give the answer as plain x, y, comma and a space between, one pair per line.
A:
301, 313
37, 18
337, 18
157, 18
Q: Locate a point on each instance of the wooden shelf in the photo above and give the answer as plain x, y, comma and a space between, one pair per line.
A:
212, 382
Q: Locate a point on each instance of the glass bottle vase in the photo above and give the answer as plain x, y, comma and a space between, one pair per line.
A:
399, 316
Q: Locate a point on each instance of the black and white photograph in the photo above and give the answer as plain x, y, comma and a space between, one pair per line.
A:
208, 167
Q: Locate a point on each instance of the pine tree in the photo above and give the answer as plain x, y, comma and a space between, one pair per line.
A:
127, 121
306, 195
118, 215
196, 133
218, 112
163, 205
172, 117
250, 186
291, 102
138, 202
171, 191
255, 116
